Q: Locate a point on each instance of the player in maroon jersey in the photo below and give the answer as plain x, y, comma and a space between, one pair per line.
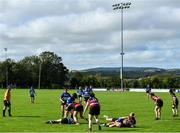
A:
175, 103
159, 104
78, 109
94, 110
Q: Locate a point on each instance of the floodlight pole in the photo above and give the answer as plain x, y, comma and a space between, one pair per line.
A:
122, 51
121, 6
5, 49
39, 81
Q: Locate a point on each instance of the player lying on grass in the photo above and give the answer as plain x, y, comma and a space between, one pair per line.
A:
77, 108
159, 104
127, 121
175, 103
61, 121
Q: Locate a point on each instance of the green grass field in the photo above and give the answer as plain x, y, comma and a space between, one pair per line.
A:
29, 117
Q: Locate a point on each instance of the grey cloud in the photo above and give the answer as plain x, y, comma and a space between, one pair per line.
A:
86, 30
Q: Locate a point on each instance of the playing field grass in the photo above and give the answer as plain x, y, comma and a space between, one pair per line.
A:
32, 117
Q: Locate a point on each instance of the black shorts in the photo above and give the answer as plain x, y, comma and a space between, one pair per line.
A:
175, 105
79, 108
70, 107
114, 119
86, 99
66, 121
63, 103
31, 95
7, 103
159, 103
94, 110
79, 96
148, 91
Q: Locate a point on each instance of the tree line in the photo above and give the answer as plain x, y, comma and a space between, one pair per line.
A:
48, 71
155, 81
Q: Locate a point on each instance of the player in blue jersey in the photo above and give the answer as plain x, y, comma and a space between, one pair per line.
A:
90, 89
148, 91
63, 98
70, 105
86, 94
32, 94
80, 94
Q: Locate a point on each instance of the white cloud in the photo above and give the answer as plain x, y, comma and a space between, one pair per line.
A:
87, 33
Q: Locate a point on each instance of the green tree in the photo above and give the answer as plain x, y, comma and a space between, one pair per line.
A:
53, 72
76, 79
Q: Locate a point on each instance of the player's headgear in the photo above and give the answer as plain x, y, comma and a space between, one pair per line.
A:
92, 95
74, 95
152, 94
132, 114
171, 91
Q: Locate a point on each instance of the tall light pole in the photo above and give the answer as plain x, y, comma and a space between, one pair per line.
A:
39, 82
5, 49
121, 6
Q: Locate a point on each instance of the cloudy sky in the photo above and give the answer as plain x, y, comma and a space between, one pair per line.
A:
86, 33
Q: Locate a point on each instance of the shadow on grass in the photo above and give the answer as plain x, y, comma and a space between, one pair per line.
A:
28, 116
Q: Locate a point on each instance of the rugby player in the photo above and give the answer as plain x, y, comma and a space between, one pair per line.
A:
61, 121
80, 94
127, 121
63, 98
148, 91
94, 110
86, 94
32, 94
159, 104
175, 103
70, 105
7, 101
78, 109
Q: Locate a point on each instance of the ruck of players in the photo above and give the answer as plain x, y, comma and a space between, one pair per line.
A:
72, 107
83, 104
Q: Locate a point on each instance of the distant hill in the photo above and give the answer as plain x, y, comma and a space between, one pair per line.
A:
130, 72
117, 69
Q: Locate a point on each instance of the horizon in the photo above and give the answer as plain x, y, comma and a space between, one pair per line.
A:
126, 67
